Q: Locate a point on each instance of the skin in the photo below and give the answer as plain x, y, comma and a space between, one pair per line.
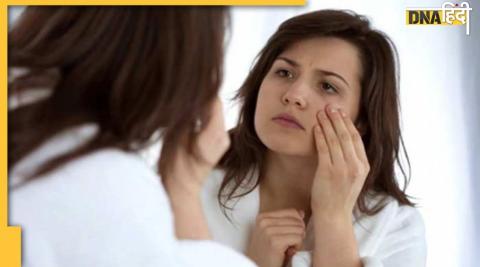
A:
323, 170
189, 171
277, 235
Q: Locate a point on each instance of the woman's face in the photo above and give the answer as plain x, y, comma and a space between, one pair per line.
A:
303, 80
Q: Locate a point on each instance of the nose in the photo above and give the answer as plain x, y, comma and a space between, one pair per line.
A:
295, 96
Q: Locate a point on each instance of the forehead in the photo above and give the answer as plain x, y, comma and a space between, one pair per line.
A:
328, 53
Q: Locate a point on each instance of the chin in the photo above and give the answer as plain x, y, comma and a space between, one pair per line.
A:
286, 144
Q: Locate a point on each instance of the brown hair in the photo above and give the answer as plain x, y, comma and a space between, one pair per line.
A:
379, 106
130, 70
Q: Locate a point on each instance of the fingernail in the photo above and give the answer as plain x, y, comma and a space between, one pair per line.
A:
302, 213
343, 113
333, 110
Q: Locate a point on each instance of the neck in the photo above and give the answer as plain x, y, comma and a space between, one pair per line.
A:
286, 182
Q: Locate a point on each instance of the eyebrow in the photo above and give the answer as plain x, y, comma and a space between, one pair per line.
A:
325, 72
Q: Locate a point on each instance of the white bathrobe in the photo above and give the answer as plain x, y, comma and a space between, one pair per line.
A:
107, 208
395, 237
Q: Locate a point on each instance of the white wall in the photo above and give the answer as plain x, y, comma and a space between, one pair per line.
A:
470, 91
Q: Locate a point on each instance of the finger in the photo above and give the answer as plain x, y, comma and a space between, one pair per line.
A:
331, 137
283, 213
343, 134
356, 139
288, 240
323, 153
213, 140
283, 230
268, 222
215, 119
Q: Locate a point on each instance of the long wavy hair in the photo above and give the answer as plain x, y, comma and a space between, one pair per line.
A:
379, 107
130, 70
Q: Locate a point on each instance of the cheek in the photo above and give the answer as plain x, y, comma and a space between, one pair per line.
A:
267, 99
262, 107
348, 106
351, 109
351, 105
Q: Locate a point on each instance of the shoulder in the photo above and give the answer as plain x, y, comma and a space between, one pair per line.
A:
113, 164
395, 234
103, 183
109, 200
112, 168
399, 217
394, 225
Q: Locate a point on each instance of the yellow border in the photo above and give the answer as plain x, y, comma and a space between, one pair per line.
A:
10, 236
162, 2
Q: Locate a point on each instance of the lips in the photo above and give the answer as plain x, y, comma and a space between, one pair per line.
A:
288, 120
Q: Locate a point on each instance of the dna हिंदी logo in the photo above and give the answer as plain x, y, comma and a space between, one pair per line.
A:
448, 15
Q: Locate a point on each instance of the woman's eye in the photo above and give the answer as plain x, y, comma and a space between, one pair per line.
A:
328, 87
284, 73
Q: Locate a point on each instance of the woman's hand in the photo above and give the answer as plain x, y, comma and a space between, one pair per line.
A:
213, 140
341, 172
276, 237
188, 172
342, 164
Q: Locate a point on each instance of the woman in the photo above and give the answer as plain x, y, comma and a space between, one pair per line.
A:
311, 166
106, 82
